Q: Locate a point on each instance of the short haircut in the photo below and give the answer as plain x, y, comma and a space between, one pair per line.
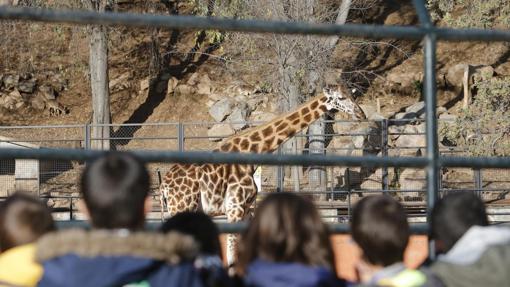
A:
23, 219
114, 188
286, 228
198, 225
454, 214
379, 226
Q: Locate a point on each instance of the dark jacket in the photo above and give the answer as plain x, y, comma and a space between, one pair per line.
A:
266, 274
480, 258
116, 258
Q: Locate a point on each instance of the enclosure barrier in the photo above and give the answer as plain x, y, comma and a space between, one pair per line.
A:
426, 31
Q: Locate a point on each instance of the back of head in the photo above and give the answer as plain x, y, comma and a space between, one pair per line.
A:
286, 228
453, 215
23, 219
200, 226
379, 226
114, 188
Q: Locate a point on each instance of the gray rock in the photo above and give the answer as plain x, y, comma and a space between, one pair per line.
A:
411, 140
262, 117
221, 109
412, 179
220, 131
405, 78
11, 81
38, 102
358, 141
27, 86
238, 117
184, 90
403, 119
417, 108
447, 117
16, 95
441, 110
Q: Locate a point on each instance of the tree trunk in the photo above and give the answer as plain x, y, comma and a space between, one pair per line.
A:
98, 63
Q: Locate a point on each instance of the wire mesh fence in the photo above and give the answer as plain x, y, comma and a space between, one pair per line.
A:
335, 187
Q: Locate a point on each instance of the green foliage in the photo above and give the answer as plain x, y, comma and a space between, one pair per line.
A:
471, 13
484, 127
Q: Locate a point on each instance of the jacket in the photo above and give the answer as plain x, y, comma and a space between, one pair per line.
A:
262, 273
481, 257
116, 258
18, 266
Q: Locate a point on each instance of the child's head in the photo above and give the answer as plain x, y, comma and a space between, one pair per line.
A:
379, 226
200, 226
115, 188
23, 219
286, 228
453, 215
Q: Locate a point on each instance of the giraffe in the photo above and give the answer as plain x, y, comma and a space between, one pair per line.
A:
230, 189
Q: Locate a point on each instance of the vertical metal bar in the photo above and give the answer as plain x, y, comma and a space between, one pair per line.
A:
432, 146
430, 110
87, 136
384, 151
180, 136
279, 174
477, 173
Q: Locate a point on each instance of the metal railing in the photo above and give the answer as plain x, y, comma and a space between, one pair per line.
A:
426, 31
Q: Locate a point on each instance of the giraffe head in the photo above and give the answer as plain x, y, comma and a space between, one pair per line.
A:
338, 99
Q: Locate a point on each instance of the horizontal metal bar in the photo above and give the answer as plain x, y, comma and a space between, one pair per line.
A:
192, 22
218, 158
258, 159
238, 227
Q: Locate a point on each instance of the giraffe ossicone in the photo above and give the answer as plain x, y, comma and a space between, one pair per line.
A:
230, 189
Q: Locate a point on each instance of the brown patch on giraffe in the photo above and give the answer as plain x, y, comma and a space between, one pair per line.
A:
323, 108
290, 133
178, 181
255, 137
246, 181
303, 125
293, 116
308, 117
316, 114
268, 142
278, 122
237, 140
305, 111
279, 141
281, 127
214, 177
314, 105
226, 147
254, 148
296, 122
234, 149
267, 131
245, 144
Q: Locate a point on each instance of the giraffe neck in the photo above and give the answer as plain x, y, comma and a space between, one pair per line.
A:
267, 137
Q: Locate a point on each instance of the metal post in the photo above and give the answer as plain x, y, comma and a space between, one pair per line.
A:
430, 112
384, 151
477, 173
180, 136
279, 174
87, 136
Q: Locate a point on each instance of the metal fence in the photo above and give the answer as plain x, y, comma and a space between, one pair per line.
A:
432, 162
56, 180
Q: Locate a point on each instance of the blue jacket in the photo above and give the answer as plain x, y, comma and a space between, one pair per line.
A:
112, 258
267, 274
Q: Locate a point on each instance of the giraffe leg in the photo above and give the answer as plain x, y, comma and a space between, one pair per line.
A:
235, 213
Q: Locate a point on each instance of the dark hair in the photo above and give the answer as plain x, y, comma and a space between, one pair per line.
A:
454, 214
379, 226
23, 219
286, 228
200, 226
114, 188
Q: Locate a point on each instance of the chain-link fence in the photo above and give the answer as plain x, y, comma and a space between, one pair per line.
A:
335, 188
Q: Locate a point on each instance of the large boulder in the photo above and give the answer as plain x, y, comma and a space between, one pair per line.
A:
27, 86
238, 117
219, 131
221, 109
184, 90
412, 179
10, 81
405, 78
47, 92
410, 141
417, 108
204, 86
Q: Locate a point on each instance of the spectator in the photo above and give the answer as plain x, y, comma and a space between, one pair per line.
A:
380, 228
200, 226
471, 252
287, 244
23, 219
116, 251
